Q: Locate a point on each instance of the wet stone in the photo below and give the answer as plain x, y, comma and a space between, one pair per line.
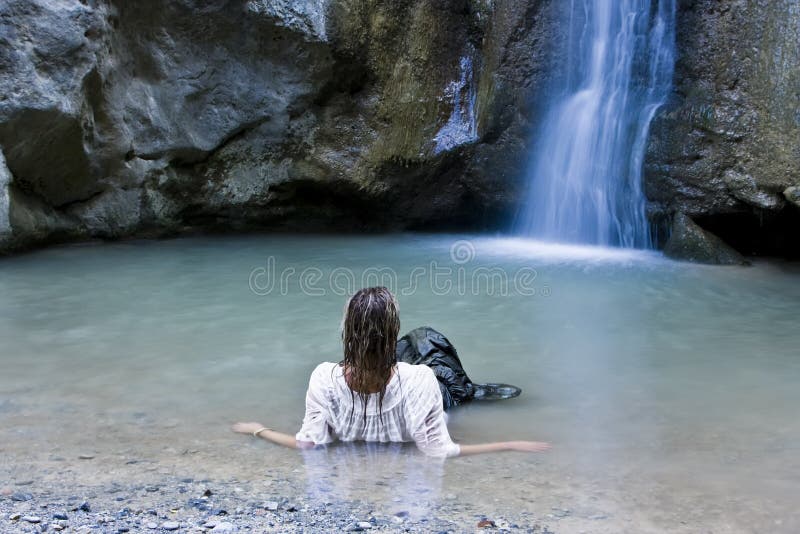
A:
199, 504
83, 507
402, 514
60, 515
21, 497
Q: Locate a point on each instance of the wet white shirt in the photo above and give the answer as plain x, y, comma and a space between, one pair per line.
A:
411, 411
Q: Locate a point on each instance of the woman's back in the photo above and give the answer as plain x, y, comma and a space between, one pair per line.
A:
411, 410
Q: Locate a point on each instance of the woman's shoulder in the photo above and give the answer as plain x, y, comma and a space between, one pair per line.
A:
324, 372
419, 386
325, 366
417, 374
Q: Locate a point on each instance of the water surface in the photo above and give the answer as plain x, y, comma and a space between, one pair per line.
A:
669, 390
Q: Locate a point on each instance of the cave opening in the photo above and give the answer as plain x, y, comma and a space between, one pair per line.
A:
761, 233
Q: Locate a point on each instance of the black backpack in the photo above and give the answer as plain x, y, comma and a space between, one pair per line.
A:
426, 346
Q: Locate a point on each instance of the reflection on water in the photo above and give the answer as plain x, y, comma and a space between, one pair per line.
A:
669, 390
390, 472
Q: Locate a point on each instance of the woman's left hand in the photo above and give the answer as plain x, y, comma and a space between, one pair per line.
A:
246, 428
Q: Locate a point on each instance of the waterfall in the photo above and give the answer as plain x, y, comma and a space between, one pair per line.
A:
585, 176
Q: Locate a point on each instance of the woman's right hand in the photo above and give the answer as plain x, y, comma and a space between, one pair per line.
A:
528, 446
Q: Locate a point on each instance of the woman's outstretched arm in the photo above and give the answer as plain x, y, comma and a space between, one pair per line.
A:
522, 446
260, 431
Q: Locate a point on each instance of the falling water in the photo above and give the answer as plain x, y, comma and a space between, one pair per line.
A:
461, 127
585, 175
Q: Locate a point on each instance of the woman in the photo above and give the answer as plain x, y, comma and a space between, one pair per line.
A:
370, 396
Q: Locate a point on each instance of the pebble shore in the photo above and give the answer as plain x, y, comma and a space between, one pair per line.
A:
188, 505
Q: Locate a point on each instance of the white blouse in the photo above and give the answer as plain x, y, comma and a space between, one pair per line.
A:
411, 411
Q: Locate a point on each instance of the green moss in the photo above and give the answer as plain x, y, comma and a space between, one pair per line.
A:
412, 50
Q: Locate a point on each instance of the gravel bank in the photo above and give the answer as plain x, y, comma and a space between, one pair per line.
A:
188, 505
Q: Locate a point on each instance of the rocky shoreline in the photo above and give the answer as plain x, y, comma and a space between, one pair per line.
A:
188, 505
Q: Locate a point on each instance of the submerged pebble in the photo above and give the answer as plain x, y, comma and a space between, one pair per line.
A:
83, 507
271, 506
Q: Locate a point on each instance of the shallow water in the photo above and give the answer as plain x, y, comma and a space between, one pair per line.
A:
669, 390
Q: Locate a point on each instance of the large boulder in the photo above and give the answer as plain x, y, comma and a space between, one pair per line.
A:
689, 242
727, 143
792, 194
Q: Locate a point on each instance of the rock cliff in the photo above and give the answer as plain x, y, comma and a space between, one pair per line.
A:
152, 117
123, 118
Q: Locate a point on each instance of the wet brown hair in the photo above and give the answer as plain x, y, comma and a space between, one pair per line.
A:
370, 327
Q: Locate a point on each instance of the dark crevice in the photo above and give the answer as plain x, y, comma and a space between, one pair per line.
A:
235, 135
81, 201
190, 156
761, 233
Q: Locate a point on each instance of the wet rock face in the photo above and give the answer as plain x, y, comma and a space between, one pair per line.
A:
121, 118
5, 181
727, 144
792, 194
